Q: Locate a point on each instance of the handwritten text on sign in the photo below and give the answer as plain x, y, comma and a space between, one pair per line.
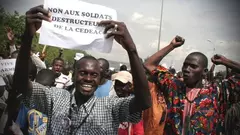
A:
7, 66
74, 25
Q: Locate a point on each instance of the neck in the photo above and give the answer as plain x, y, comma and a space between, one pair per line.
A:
80, 98
198, 84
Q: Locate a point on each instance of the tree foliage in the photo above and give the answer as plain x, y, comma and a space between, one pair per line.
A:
17, 23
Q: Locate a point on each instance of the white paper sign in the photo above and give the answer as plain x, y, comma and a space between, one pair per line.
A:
74, 25
7, 67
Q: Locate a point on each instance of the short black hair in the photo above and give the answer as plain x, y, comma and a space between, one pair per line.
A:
180, 74
202, 56
105, 61
87, 57
172, 71
123, 68
46, 77
57, 59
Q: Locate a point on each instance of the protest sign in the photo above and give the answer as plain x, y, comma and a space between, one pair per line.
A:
7, 67
74, 25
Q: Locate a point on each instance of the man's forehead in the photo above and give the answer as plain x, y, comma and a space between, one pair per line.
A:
58, 61
102, 62
193, 59
88, 62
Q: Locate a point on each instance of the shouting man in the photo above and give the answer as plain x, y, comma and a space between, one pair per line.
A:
191, 106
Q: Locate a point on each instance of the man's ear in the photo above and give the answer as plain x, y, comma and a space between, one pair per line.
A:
106, 73
205, 71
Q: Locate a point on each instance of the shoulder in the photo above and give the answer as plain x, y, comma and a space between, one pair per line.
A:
58, 90
110, 81
52, 90
63, 77
111, 101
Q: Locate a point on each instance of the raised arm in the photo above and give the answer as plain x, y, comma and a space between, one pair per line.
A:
221, 60
142, 99
21, 74
34, 19
211, 72
153, 61
11, 38
228, 74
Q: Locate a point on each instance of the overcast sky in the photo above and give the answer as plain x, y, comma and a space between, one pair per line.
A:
195, 20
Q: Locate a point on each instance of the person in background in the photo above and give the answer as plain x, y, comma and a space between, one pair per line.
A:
67, 70
123, 68
3, 105
14, 54
61, 81
180, 75
230, 97
57, 65
11, 38
105, 84
172, 70
123, 87
46, 77
37, 61
123, 77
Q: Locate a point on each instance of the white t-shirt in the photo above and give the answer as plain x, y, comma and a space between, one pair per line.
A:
63, 81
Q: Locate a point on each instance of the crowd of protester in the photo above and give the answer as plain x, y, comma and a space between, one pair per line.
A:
88, 99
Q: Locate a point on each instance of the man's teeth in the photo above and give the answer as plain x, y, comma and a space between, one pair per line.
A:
85, 85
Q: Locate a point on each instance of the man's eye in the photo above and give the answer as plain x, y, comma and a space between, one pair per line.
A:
194, 66
82, 73
95, 75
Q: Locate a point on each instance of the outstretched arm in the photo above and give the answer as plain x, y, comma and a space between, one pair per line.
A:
142, 99
211, 72
21, 83
34, 19
227, 73
153, 61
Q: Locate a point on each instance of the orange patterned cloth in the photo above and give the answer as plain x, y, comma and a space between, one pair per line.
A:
153, 115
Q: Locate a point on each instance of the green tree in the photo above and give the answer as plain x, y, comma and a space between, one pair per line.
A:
17, 23
53, 52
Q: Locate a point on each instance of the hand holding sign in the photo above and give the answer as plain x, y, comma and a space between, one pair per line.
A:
34, 18
120, 33
73, 21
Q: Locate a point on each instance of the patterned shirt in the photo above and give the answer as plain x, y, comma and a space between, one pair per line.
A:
100, 116
230, 104
154, 117
232, 89
203, 118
